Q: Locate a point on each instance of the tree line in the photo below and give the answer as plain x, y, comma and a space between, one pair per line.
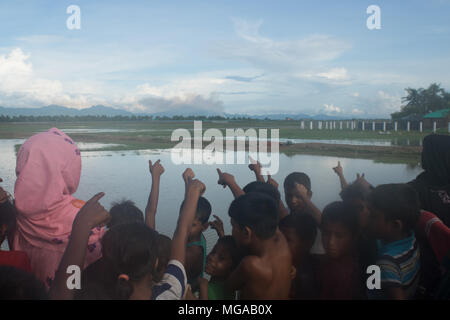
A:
61, 118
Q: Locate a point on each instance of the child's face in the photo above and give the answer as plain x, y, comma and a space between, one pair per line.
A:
363, 212
219, 262
239, 234
296, 245
337, 240
196, 228
294, 201
378, 227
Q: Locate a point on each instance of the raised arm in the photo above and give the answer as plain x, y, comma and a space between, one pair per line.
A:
91, 215
310, 207
194, 189
218, 226
283, 211
340, 173
156, 171
255, 166
226, 179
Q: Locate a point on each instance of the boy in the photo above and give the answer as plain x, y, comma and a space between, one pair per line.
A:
266, 271
196, 246
300, 231
394, 212
297, 191
339, 271
355, 195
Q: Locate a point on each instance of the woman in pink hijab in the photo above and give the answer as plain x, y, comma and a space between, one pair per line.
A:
48, 173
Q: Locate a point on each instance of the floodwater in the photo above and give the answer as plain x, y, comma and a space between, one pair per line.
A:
125, 175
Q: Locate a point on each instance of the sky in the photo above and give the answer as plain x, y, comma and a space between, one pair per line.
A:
250, 57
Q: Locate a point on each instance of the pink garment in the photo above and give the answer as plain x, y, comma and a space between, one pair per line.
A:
48, 173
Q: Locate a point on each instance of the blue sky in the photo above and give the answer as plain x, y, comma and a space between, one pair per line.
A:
252, 57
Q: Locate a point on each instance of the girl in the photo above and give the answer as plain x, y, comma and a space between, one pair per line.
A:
48, 172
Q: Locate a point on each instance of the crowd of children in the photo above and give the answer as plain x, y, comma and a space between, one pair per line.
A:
400, 232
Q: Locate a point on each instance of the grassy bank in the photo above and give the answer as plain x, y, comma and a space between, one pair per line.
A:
139, 135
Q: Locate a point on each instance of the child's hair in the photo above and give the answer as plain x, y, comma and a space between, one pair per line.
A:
341, 212
164, 247
297, 177
257, 211
203, 209
8, 215
304, 225
124, 212
354, 191
17, 284
230, 243
397, 201
263, 187
130, 249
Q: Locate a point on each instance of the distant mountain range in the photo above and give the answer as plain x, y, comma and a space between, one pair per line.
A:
100, 110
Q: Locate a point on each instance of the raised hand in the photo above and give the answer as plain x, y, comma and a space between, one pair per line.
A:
217, 225
225, 179
188, 173
93, 214
272, 181
195, 185
254, 166
361, 180
156, 169
338, 169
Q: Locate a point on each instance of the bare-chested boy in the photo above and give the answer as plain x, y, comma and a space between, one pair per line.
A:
266, 270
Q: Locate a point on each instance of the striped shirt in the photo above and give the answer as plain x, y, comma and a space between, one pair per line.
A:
399, 263
173, 283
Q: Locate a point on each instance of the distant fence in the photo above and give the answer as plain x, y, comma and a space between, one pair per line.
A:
373, 125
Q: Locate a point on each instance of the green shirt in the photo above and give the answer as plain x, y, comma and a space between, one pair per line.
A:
217, 291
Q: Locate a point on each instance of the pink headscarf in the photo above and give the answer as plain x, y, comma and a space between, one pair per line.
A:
48, 173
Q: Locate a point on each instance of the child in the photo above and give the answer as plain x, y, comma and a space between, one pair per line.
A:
339, 272
355, 195
130, 251
300, 231
196, 246
124, 212
48, 173
12, 258
266, 271
221, 261
394, 212
297, 191
270, 188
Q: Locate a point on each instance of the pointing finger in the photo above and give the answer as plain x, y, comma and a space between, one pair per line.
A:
97, 197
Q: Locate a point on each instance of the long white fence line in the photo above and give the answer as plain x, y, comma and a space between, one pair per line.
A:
354, 125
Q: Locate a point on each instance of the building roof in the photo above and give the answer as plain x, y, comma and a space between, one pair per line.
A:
440, 114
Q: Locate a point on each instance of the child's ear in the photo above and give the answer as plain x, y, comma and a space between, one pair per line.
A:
310, 194
247, 233
156, 263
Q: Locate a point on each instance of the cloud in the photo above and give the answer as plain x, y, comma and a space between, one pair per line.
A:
331, 109
189, 104
284, 55
335, 74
